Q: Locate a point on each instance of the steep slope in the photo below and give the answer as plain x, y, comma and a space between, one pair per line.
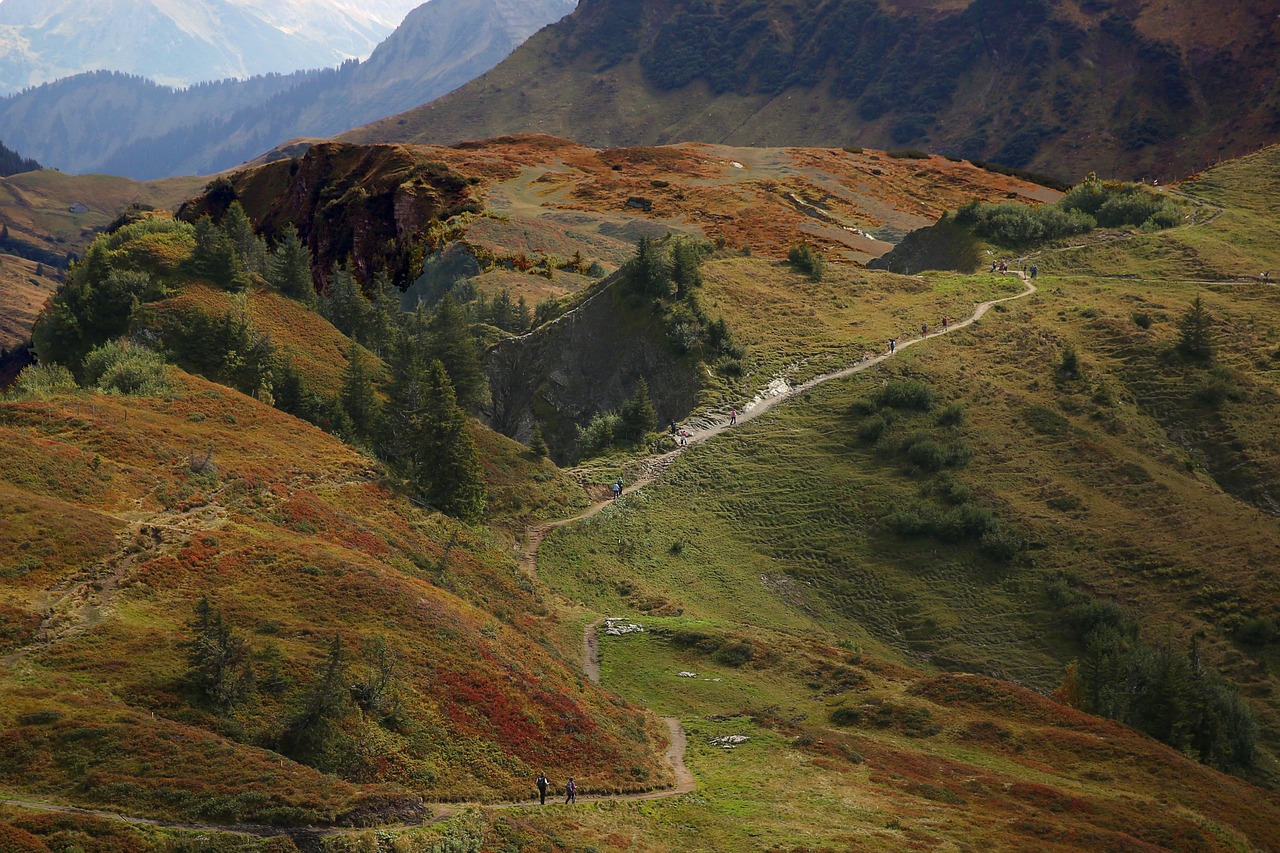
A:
128, 125
1066, 87
179, 44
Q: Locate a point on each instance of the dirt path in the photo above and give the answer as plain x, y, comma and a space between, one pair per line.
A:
85, 600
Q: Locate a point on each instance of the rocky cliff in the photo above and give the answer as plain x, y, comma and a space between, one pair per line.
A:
587, 362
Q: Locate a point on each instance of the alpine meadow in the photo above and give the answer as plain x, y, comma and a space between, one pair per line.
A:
830, 426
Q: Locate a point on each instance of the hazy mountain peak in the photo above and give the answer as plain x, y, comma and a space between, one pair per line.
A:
179, 42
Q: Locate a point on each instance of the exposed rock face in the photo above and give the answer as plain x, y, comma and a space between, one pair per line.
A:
587, 362
367, 204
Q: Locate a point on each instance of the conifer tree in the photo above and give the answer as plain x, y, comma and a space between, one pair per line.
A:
686, 260
537, 443
650, 274
638, 417
358, 397
289, 269
345, 306
452, 344
214, 257
247, 244
327, 701
217, 658
385, 315
451, 480
1195, 338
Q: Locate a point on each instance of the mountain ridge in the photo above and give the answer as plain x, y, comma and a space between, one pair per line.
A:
1124, 89
121, 124
184, 43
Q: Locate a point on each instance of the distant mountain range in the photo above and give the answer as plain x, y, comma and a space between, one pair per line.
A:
127, 125
180, 42
1137, 88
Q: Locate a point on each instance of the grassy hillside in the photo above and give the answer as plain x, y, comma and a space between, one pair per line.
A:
293, 538
903, 588
41, 229
1131, 481
1135, 89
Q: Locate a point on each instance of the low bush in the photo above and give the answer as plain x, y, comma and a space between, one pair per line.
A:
41, 381
907, 394
808, 260
952, 415
126, 369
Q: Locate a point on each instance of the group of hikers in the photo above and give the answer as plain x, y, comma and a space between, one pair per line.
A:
570, 790
1003, 266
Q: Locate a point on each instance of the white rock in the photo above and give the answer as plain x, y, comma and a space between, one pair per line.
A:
687, 674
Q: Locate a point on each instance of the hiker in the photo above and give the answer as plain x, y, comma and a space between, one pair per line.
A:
542, 789
673, 426
684, 437
945, 320
617, 489
733, 417
570, 792
893, 345
1004, 267
993, 265
924, 329
1035, 270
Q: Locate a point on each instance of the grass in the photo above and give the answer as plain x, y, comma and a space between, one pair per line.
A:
292, 554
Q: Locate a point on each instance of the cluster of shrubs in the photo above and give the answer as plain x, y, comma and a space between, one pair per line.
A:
730, 651
631, 424
1166, 694
948, 511
669, 273
118, 368
808, 260
1089, 205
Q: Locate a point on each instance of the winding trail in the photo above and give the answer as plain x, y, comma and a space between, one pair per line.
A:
79, 612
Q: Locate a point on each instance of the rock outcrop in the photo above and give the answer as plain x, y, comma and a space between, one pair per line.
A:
587, 362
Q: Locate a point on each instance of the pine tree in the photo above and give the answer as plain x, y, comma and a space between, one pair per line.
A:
537, 443
247, 244
452, 344
686, 260
1195, 340
638, 417
327, 701
385, 315
289, 268
345, 306
425, 432
217, 659
649, 272
452, 480
214, 257
358, 397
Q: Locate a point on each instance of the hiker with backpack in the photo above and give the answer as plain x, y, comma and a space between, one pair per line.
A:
570, 792
617, 489
542, 788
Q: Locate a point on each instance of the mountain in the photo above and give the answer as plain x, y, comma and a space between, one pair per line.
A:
1140, 88
180, 43
120, 124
